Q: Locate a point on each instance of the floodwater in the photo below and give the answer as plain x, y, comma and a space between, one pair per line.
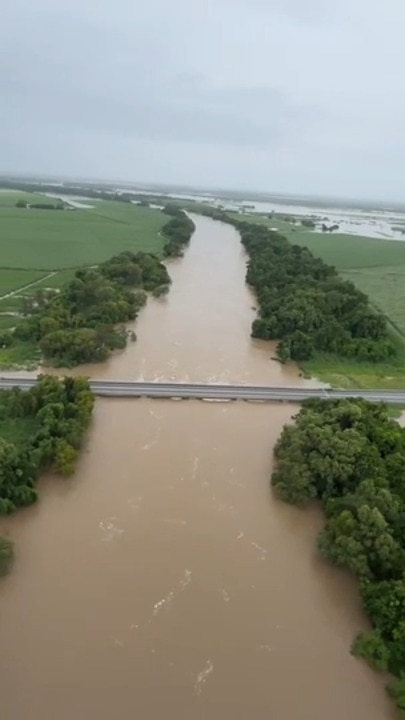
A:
386, 224
163, 580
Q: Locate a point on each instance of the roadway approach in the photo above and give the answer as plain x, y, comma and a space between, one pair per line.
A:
185, 391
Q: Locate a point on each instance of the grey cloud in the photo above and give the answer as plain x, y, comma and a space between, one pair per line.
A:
283, 95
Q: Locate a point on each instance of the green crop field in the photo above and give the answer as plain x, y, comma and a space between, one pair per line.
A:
351, 251
11, 280
9, 198
385, 286
50, 239
341, 250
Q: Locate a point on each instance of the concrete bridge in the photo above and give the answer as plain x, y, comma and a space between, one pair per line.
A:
251, 393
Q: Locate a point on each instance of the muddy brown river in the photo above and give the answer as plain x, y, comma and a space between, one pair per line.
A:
163, 580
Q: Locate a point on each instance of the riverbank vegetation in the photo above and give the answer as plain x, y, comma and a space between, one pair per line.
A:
177, 231
377, 268
84, 321
306, 305
350, 456
41, 429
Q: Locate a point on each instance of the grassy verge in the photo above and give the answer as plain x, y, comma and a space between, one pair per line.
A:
22, 355
347, 373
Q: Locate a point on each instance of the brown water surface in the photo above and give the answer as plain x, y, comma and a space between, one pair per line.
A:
163, 580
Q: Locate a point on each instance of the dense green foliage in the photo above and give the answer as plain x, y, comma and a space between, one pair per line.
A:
83, 322
306, 305
49, 421
40, 429
350, 455
177, 231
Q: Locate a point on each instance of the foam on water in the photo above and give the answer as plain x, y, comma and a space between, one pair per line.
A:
165, 601
110, 529
203, 676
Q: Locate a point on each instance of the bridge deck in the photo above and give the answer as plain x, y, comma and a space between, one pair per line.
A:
134, 389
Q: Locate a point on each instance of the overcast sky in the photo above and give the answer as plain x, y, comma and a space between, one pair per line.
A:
296, 96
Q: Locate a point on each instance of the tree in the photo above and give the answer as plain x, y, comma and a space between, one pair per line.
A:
362, 542
372, 648
178, 231
397, 692
160, 290
384, 603
308, 223
60, 412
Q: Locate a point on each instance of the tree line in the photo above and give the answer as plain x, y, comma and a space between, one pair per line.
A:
51, 419
84, 321
350, 455
304, 303
177, 231
40, 205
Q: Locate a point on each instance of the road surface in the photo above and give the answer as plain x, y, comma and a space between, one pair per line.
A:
118, 388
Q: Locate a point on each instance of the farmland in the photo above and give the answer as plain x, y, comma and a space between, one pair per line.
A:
9, 198
49, 240
35, 243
